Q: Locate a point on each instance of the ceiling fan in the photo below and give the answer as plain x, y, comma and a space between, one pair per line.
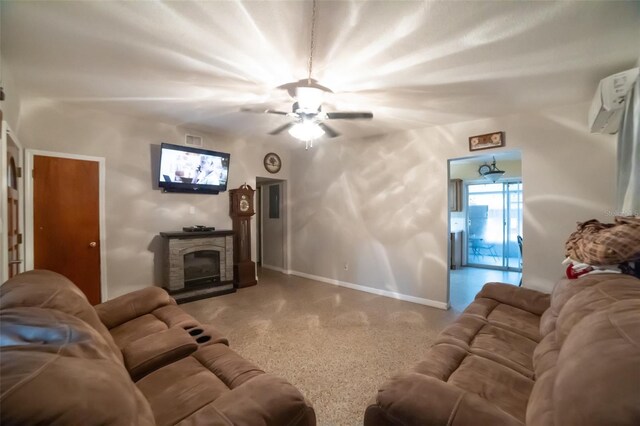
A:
306, 112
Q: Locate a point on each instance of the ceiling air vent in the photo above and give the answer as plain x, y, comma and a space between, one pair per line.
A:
192, 140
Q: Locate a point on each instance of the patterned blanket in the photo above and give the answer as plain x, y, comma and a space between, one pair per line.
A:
599, 243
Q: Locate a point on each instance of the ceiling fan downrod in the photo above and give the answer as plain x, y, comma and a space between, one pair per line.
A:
312, 44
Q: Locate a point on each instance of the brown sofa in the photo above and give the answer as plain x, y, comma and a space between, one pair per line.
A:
517, 356
135, 360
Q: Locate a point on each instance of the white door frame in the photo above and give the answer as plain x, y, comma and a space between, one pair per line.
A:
4, 231
28, 210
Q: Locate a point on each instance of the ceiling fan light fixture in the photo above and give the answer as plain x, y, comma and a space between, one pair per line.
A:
309, 98
494, 176
306, 131
494, 173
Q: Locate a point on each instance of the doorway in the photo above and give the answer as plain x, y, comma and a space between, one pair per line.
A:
271, 224
494, 225
12, 205
65, 219
485, 225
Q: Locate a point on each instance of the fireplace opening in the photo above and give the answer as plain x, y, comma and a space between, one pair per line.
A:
201, 267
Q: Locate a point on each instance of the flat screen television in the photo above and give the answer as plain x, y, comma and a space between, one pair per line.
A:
186, 169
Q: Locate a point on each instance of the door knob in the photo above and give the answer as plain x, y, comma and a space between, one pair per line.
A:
93, 244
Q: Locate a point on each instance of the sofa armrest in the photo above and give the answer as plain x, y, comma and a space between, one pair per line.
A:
157, 350
132, 305
206, 334
523, 298
417, 399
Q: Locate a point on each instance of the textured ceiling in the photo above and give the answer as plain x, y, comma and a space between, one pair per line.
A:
414, 64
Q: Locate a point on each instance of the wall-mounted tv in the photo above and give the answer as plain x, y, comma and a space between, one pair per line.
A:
186, 169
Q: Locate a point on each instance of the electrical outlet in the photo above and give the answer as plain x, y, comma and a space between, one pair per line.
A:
346, 266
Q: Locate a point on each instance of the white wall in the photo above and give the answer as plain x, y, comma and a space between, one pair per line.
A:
380, 204
136, 212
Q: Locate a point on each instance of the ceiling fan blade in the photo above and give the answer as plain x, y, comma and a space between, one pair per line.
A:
273, 111
263, 111
349, 115
281, 128
328, 130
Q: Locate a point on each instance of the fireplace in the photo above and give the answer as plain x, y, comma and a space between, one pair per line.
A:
201, 267
198, 264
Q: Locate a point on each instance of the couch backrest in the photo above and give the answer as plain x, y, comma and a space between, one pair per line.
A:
564, 290
50, 290
58, 370
588, 364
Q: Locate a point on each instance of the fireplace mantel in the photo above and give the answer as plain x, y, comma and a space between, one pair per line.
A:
179, 244
195, 234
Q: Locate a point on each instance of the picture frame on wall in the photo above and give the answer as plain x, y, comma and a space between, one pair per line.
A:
487, 141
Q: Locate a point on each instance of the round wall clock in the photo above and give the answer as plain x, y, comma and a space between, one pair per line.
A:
272, 162
485, 168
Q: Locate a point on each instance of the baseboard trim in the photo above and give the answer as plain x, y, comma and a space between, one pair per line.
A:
376, 291
273, 268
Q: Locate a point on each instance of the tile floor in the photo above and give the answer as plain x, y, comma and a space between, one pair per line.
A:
336, 345
465, 283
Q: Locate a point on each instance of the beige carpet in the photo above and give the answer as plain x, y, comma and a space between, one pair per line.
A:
335, 344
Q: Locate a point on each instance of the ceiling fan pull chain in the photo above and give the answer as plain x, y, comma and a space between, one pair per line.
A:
313, 28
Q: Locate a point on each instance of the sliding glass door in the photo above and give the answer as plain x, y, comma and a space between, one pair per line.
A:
494, 223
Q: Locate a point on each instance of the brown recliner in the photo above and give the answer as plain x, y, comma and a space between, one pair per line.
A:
138, 359
516, 357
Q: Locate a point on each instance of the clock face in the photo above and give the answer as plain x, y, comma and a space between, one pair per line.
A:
272, 162
244, 204
484, 169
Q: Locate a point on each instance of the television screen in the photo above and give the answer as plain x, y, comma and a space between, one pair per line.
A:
186, 169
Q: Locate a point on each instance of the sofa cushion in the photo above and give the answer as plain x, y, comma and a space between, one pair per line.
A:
506, 316
545, 354
492, 381
522, 298
441, 361
141, 313
137, 328
196, 386
595, 380
595, 298
540, 405
518, 321
563, 291
50, 290
48, 330
157, 350
265, 400
179, 389
58, 370
173, 316
132, 305
480, 337
417, 399
499, 385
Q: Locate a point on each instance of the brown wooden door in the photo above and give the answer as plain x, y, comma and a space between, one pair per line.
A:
13, 208
66, 223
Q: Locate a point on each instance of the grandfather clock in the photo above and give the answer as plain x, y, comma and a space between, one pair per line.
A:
241, 209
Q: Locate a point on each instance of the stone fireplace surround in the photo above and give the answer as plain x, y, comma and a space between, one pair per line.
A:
178, 244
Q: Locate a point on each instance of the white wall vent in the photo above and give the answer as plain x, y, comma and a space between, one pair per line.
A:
193, 140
